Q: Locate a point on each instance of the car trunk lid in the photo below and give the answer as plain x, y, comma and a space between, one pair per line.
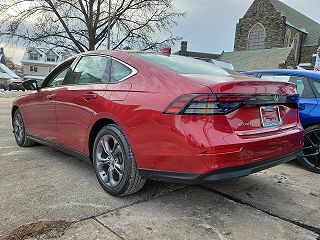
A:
251, 106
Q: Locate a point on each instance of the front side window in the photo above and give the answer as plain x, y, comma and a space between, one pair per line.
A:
119, 71
33, 69
57, 76
91, 69
34, 56
51, 58
303, 87
58, 79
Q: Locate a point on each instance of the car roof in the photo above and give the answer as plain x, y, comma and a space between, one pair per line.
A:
306, 73
111, 52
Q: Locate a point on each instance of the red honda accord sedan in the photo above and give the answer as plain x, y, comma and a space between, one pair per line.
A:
141, 115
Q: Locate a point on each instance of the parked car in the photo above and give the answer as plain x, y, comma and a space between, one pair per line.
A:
12, 84
308, 85
140, 115
2, 82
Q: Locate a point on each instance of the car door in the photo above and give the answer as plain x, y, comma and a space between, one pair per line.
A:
308, 100
315, 84
41, 112
85, 86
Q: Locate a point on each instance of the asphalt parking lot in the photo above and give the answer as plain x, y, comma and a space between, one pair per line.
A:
48, 194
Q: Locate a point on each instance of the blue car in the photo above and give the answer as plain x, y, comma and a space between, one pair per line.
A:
308, 85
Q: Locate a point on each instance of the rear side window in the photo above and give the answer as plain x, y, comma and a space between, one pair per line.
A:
91, 69
303, 87
186, 65
316, 85
280, 78
119, 71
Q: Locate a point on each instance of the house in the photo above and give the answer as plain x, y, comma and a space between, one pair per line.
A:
6, 74
38, 62
198, 55
271, 34
207, 57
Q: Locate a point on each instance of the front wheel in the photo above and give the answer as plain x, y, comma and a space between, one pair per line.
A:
114, 163
19, 130
311, 151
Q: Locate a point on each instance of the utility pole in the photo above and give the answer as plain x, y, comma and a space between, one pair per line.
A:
109, 25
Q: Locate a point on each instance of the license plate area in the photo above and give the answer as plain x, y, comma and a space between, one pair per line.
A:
270, 116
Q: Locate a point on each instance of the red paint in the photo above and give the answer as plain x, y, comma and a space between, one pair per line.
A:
169, 142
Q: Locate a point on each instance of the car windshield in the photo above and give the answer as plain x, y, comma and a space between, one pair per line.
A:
186, 65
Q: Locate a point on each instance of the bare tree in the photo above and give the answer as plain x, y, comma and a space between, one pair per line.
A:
82, 25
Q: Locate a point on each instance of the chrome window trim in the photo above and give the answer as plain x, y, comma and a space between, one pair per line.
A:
77, 58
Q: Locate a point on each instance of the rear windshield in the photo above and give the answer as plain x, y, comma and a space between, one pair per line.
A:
186, 65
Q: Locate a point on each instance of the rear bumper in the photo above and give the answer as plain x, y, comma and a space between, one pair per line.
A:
219, 174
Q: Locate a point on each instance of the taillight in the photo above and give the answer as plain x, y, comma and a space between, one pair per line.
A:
178, 105
221, 104
199, 104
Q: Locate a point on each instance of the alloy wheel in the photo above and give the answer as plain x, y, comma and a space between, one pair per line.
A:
311, 150
18, 127
110, 160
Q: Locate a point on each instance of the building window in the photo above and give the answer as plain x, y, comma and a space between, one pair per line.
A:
51, 58
287, 39
296, 43
260, 8
34, 56
256, 38
33, 69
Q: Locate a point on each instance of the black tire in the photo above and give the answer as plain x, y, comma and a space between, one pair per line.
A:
311, 152
118, 161
19, 131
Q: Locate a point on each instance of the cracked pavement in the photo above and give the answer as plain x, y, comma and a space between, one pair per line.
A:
40, 184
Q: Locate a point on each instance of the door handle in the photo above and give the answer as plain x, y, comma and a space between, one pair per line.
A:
89, 96
51, 96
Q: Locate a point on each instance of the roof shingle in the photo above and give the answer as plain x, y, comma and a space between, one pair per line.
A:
257, 59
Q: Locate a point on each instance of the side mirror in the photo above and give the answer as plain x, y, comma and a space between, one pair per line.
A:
30, 85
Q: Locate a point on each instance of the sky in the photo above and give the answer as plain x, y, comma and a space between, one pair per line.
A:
209, 25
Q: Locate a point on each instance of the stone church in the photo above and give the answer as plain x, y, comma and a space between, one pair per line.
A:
273, 35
